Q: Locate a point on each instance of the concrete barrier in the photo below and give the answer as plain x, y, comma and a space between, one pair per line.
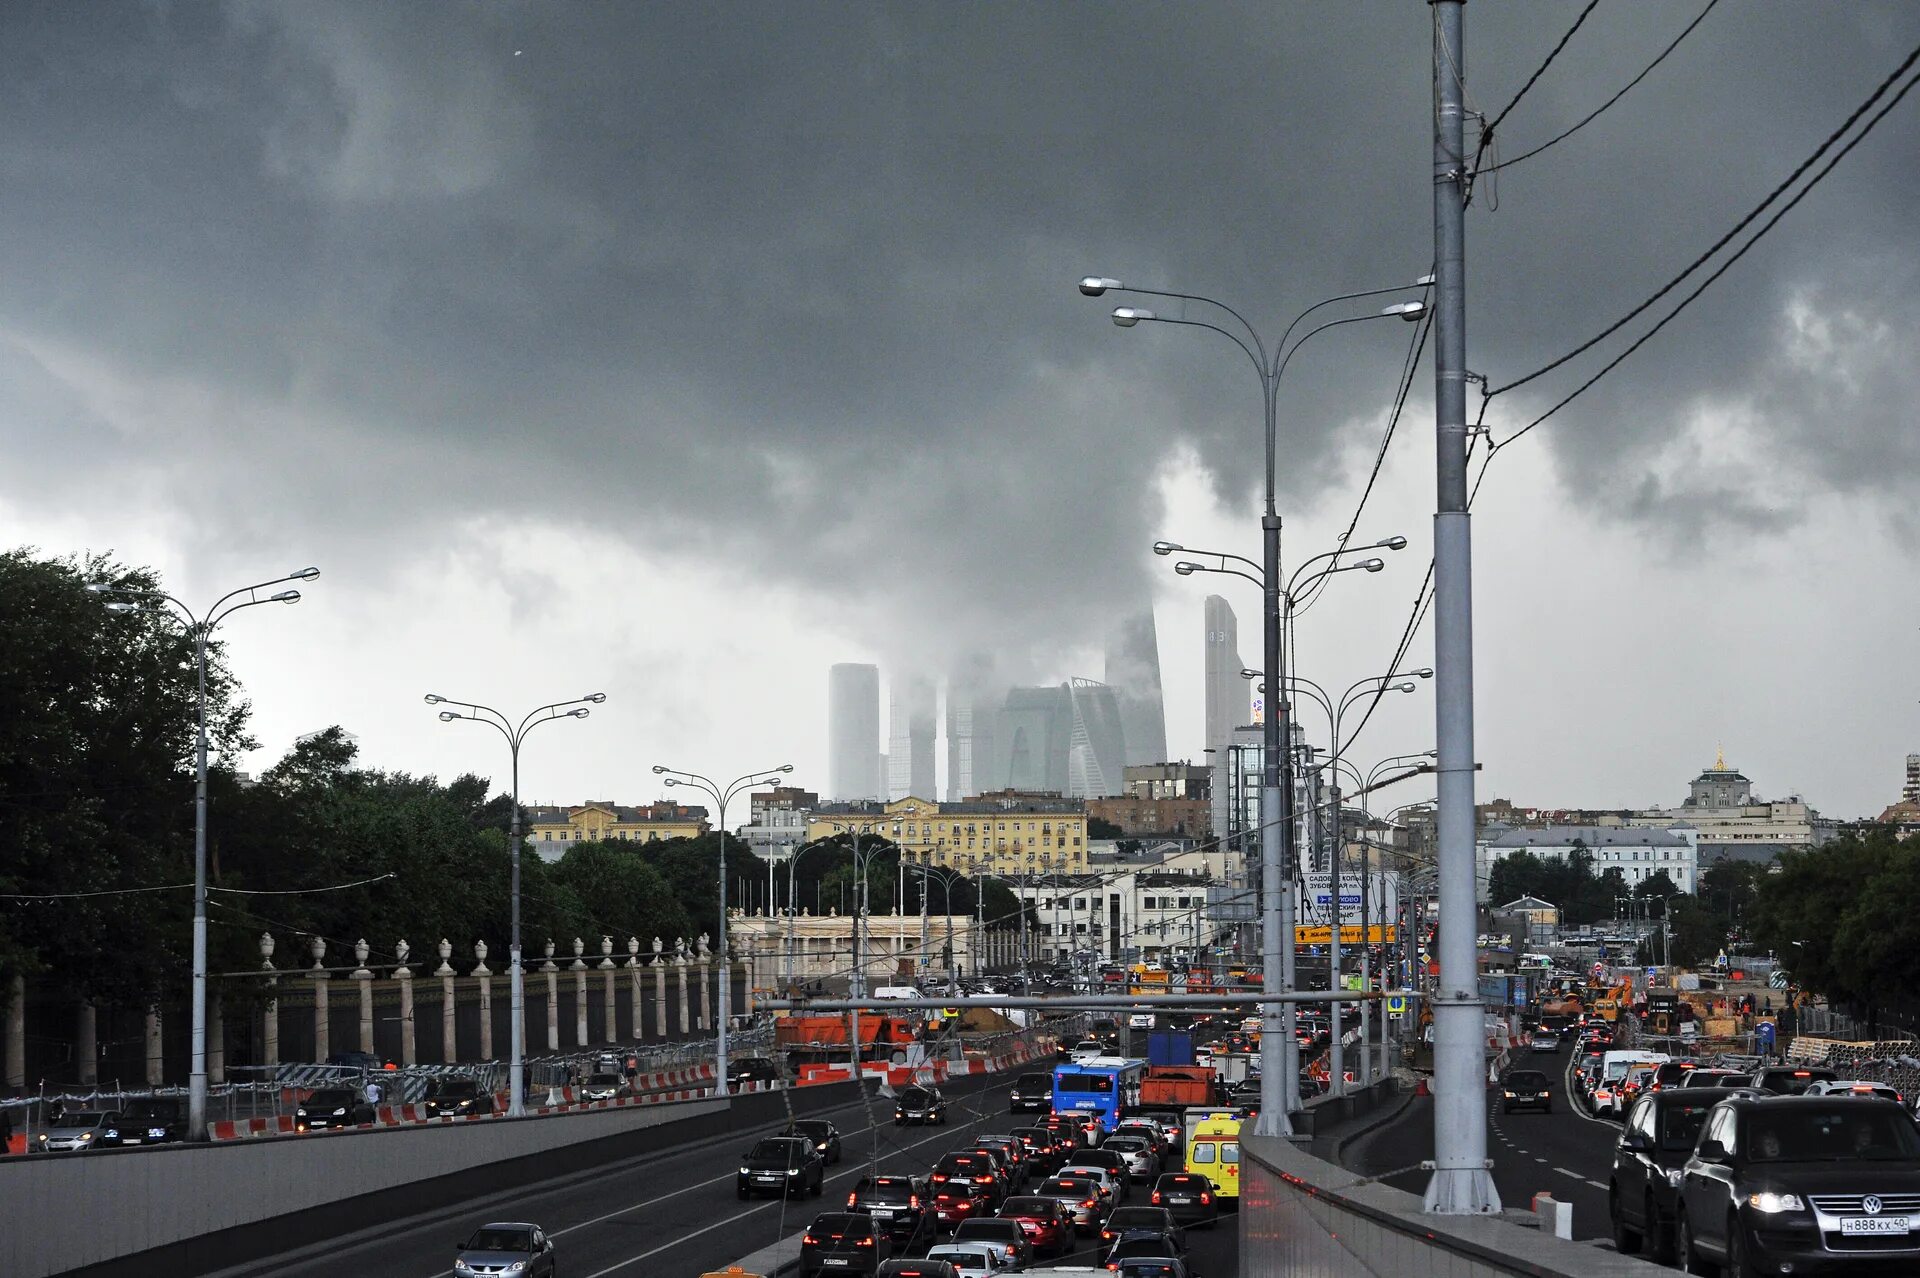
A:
1311, 1219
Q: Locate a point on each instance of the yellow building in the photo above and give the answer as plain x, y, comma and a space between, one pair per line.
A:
611, 822
1004, 833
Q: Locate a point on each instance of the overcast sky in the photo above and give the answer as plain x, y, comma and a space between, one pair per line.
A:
678, 351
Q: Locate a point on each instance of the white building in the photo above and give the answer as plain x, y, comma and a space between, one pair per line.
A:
1118, 913
1638, 852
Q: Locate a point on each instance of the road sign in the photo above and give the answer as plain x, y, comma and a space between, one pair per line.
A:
1396, 1004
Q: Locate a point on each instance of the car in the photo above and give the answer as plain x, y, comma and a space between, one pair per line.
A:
1031, 1093
1151, 1243
1790, 1080
919, 1105
365, 1062
1643, 1189
1165, 1136
843, 1242
1048, 1228
1007, 1239
957, 1202
602, 1087
1003, 1166
1138, 1152
1856, 1087
1043, 1155
1672, 1074
1638, 1079
76, 1132
1189, 1197
1079, 1196
1526, 1089
1543, 1040
752, 1069
1114, 1160
1710, 1077
1806, 1184
456, 1096
153, 1120
974, 1169
505, 1247
973, 1261
901, 1203
824, 1136
785, 1165
1121, 1219
1111, 1184
1010, 1148
1151, 1267
331, 1107
1087, 1049
926, 1267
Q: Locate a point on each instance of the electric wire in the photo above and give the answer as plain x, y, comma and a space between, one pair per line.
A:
1487, 133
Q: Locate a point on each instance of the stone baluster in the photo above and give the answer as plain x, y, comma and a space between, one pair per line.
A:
659, 992
579, 969
680, 975
449, 1023
318, 974
552, 971
156, 1064
16, 1066
633, 988
86, 1044
705, 1008
485, 976
270, 1009
404, 975
612, 1034
363, 975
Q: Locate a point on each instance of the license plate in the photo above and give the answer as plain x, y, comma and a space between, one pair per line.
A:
837, 1260
1874, 1225
769, 1180
881, 1213
130, 1140
1179, 1200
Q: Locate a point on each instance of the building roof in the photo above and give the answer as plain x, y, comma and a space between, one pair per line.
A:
661, 813
1593, 836
1526, 903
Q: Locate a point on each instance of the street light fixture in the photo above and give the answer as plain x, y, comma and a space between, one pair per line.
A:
198, 630
515, 734
721, 794
1095, 285
1128, 316
1166, 547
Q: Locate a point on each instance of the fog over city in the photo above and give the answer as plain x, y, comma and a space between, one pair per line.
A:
681, 351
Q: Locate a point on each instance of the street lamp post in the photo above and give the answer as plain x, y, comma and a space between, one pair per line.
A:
721, 795
515, 734
198, 630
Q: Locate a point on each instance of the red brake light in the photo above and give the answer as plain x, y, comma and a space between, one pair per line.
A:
863, 1242
913, 1200
1206, 1198
851, 1196
808, 1240
1091, 1202
1156, 1195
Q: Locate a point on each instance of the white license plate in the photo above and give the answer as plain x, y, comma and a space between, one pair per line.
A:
1874, 1225
1179, 1200
837, 1260
881, 1213
130, 1140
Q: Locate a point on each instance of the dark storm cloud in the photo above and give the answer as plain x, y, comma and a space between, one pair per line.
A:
795, 282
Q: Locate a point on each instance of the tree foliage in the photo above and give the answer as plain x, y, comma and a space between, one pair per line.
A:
1845, 918
1568, 882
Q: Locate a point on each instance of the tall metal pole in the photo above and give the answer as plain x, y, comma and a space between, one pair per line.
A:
197, 1080
1337, 898
1279, 1088
859, 982
516, 980
1462, 1183
720, 1061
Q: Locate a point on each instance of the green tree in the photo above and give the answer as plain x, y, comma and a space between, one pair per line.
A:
1800, 911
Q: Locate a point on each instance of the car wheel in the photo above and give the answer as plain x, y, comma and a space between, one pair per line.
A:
1626, 1240
1549, 1107
1685, 1255
1739, 1258
1658, 1237
740, 1192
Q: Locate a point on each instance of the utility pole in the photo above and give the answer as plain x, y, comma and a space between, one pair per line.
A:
1462, 1183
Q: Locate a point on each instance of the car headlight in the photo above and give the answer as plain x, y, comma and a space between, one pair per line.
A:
1769, 1202
1675, 1176
86, 1135
516, 1266
339, 1113
1508, 1095
793, 1171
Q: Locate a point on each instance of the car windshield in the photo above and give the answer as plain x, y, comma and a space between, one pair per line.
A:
774, 1151
501, 1240
916, 1096
1680, 1124
1526, 1081
962, 1259
322, 1099
458, 1087
1030, 1081
84, 1118
157, 1109
1128, 1144
1867, 1130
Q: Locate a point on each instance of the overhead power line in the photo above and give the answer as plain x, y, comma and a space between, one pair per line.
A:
1486, 134
1594, 114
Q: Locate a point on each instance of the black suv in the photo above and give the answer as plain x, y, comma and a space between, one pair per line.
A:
1033, 1092
458, 1096
919, 1105
1790, 1080
1643, 1192
901, 1203
154, 1121
1823, 1184
332, 1107
1526, 1089
785, 1165
824, 1135
843, 1242
752, 1069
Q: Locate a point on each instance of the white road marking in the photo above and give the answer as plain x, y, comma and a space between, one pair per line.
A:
1596, 1184
1564, 1172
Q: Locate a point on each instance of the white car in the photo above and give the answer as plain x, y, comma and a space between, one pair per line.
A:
970, 1260
1855, 1087
1112, 1188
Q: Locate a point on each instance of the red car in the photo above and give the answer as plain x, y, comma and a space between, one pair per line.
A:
1043, 1221
953, 1204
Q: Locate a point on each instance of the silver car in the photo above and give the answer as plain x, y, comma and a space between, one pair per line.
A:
75, 1133
505, 1247
1142, 1162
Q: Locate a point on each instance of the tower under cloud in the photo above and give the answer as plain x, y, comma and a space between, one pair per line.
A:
853, 732
1133, 672
911, 725
1228, 695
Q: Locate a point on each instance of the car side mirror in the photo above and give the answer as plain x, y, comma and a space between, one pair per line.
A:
1711, 1151
1636, 1141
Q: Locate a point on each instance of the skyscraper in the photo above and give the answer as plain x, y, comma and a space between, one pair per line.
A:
1228, 696
1096, 746
1133, 672
1032, 734
911, 721
853, 732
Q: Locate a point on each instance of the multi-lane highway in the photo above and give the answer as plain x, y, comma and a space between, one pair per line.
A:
674, 1211
1566, 1153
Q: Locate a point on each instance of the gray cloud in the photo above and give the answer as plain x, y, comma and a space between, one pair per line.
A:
792, 285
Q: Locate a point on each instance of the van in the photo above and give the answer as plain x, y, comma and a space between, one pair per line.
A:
1607, 1091
896, 991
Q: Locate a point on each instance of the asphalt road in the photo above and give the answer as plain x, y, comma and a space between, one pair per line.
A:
674, 1212
1566, 1153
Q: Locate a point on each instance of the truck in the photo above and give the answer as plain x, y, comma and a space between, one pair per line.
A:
1178, 1086
826, 1034
1170, 1047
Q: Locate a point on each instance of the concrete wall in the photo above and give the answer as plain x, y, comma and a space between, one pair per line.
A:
205, 1205
1311, 1219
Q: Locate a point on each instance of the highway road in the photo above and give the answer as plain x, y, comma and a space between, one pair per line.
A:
1566, 1153
674, 1212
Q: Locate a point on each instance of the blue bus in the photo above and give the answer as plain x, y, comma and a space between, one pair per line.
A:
1107, 1087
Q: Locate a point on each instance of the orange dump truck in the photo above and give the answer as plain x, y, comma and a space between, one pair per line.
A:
1177, 1086
800, 1032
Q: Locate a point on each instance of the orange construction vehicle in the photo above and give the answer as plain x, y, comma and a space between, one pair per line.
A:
1177, 1086
878, 1032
